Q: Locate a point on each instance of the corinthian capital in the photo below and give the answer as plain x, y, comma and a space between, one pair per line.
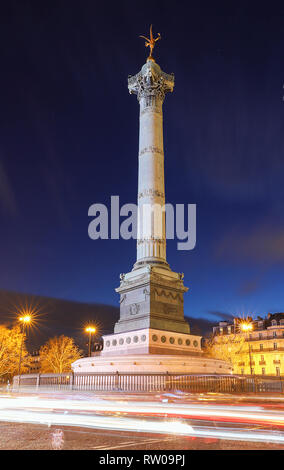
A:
151, 82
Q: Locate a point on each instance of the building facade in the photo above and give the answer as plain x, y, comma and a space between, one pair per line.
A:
261, 348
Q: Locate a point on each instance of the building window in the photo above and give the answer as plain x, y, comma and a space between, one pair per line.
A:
278, 371
242, 371
274, 323
274, 334
250, 336
275, 345
260, 335
261, 347
263, 371
262, 358
252, 371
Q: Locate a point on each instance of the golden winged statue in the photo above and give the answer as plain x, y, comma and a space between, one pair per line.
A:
151, 42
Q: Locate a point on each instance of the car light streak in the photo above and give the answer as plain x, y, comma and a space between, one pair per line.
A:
252, 415
138, 425
142, 417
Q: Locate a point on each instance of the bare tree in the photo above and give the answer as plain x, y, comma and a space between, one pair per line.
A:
226, 347
57, 355
11, 342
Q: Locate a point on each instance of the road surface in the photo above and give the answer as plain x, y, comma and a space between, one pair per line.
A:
119, 421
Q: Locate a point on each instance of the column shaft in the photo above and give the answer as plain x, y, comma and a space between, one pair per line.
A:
151, 239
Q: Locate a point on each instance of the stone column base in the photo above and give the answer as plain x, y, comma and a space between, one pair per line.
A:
152, 364
151, 341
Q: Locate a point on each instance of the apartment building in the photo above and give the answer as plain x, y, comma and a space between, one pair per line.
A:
261, 350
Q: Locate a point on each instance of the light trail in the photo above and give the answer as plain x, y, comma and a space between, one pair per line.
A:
139, 426
141, 417
225, 413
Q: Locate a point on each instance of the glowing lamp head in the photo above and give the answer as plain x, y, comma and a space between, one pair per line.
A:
25, 319
90, 329
246, 326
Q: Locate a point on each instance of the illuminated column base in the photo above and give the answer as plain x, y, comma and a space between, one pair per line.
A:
152, 364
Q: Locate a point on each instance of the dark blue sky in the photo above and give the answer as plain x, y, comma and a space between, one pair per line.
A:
69, 138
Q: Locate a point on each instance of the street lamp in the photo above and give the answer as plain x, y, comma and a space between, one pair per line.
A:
90, 330
25, 320
246, 327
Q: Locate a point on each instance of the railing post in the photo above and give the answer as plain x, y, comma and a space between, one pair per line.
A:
71, 381
38, 381
167, 381
254, 384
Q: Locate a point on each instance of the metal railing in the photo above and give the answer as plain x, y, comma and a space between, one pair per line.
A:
150, 382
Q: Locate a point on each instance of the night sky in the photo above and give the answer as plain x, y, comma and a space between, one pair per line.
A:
69, 138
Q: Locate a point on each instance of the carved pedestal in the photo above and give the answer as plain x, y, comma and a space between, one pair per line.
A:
151, 297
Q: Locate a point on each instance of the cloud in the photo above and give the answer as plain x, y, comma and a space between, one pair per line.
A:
221, 315
249, 286
7, 196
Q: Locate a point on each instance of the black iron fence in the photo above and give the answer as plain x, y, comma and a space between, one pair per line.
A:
151, 382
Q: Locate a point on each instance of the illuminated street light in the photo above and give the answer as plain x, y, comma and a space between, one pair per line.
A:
246, 327
90, 330
25, 320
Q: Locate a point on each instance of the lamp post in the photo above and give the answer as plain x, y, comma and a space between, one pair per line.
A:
246, 327
25, 320
90, 330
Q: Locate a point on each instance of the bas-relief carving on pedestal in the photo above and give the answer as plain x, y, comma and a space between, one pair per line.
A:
134, 309
166, 295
